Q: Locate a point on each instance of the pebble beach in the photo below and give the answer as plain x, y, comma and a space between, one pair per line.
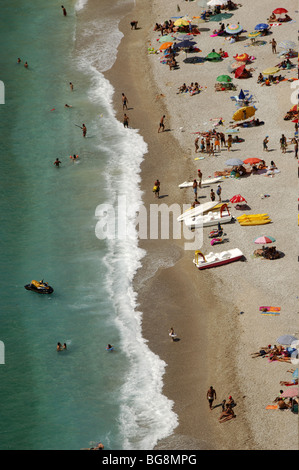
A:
215, 312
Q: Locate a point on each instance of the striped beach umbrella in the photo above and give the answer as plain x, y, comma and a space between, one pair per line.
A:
237, 198
254, 34
263, 240
233, 28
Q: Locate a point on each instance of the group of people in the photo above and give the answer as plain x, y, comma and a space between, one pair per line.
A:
192, 89
227, 406
212, 142
61, 347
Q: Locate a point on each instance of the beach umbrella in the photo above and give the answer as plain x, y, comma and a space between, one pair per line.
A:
271, 70
295, 121
185, 44
241, 95
279, 11
166, 38
237, 198
165, 45
290, 392
234, 162
286, 45
286, 339
294, 108
239, 71
233, 29
224, 79
252, 161
261, 27
254, 34
263, 240
242, 58
181, 22
220, 17
244, 113
213, 56
233, 66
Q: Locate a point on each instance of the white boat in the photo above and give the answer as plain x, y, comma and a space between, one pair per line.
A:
211, 260
188, 184
200, 209
211, 218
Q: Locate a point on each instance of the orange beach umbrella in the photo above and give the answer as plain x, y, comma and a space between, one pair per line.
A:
252, 161
165, 45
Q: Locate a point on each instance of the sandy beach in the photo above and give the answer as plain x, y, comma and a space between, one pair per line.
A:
215, 313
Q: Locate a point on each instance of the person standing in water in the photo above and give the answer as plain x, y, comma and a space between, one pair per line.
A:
57, 162
84, 130
63, 10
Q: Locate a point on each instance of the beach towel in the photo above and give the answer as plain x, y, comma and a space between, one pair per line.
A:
269, 309
275, 24
270, 313
272, 407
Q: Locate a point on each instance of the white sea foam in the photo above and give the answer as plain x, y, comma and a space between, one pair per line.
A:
146, 414
80, 4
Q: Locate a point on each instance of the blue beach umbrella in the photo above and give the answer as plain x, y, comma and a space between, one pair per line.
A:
186, 43
261, 27
295, 374
241, 95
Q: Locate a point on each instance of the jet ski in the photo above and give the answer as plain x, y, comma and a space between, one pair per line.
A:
40, 287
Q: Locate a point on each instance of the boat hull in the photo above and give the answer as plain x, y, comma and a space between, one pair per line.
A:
235, 255
205, 222
218, 263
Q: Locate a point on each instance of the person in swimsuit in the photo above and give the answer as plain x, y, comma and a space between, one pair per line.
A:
161, 125
124, 100
126, 121
57, 162
84, 130
63, 10
211, 396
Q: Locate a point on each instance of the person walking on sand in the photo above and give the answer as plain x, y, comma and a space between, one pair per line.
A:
172, 334
265, 143
195, 189
124, 101
212, 195
211, 396
63, 10
273, 43
283, 143
161, 125
202, 145
199, 177
156, 188
229, 142
219, 189
211, 149
196, 144
126, 121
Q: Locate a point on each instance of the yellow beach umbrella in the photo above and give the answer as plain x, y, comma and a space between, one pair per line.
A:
271, 70
244, 113
165, 45
181, 22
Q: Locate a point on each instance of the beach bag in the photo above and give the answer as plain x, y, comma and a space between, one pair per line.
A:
155, 189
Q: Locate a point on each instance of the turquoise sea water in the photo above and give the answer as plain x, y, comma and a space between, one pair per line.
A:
68, 400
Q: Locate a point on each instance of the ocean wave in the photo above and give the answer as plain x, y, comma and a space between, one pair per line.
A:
142, 401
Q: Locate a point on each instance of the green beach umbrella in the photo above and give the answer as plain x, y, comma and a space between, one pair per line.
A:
224, 78
166, 38
213, 56
254, 34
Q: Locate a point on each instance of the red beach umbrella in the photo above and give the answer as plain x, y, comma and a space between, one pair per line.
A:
295, 121
237, 198
264, 239
279, 11
239, 71
252, 161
